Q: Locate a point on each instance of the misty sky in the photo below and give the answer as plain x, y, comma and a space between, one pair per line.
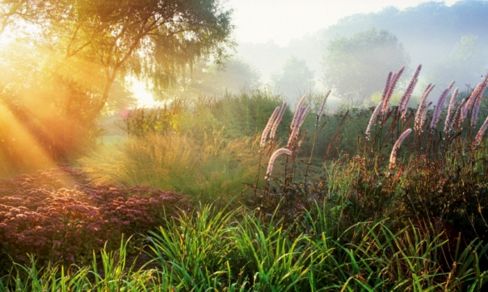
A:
259, 21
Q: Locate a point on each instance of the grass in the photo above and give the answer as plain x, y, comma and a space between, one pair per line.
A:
233, 250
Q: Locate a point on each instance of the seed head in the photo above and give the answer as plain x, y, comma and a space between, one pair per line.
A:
322, 106
277, 121
476, 108
391, 88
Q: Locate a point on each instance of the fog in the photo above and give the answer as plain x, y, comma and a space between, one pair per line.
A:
449, 39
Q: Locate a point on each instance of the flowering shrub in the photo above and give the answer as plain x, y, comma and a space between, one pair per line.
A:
57, 220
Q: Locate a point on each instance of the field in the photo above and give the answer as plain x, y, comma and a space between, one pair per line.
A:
196, 196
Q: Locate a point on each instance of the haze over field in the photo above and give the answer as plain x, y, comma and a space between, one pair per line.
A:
448, 37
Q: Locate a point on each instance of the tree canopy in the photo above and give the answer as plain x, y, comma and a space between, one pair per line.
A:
151, 39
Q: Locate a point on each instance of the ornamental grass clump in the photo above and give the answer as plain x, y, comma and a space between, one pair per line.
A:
382, 109
299, 116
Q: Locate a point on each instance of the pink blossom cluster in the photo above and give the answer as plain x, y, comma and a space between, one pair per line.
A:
41, 215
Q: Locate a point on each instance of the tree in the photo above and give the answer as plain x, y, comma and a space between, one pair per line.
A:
151, 39
294, 80
357, 66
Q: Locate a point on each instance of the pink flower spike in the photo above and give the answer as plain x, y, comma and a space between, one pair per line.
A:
480, 134
396, 148
272, 159
450, 111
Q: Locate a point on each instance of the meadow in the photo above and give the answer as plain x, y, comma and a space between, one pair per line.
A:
248, 193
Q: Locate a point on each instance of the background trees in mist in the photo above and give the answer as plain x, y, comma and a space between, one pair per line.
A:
294, 80
357, 66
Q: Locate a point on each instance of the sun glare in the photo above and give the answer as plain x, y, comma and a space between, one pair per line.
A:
142, 93
6, 38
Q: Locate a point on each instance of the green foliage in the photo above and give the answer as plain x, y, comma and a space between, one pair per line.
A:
246, 114
110, 271
143, 122
195, 249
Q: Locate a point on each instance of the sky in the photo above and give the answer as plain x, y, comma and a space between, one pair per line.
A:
258, 21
